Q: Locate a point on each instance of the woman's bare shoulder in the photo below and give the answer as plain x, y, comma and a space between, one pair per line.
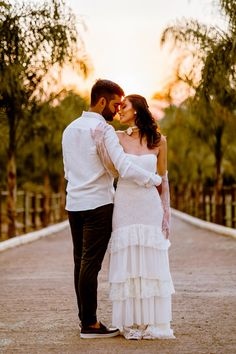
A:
163, 140
161, 145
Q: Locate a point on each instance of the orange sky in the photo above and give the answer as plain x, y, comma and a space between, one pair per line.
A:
122, 39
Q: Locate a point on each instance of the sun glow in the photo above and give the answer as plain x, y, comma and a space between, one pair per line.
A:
123, 41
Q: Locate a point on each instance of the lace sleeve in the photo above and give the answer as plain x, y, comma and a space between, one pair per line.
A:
165, 199
98, 136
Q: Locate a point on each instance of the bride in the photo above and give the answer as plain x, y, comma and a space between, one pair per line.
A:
139, 275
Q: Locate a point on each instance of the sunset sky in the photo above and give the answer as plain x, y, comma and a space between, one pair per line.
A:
122, 38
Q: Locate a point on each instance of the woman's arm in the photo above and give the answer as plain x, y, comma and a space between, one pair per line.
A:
125, 167
162, 157
98, 136
164, 190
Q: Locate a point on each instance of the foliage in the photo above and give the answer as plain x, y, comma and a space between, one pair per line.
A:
188, 160
211, 73
33, 38
42, 155
36, 41
3, 139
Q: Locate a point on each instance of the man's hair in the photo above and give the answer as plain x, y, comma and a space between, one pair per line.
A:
105, 88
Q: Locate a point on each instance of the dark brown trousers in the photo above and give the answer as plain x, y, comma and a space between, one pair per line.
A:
91, 231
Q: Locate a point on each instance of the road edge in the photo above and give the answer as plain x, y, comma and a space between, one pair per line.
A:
219, 229
35, 235
32, 236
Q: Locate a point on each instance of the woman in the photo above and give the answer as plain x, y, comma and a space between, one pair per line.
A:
139, 276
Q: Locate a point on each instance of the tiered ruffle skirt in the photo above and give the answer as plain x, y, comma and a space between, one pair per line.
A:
139, 276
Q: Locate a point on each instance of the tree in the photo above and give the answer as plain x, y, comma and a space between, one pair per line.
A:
33, 40
213, 106
43, 155
184, 149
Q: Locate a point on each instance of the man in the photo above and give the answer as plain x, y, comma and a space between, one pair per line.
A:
89, 200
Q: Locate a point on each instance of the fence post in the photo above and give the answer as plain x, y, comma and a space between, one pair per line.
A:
26, 211
223, 216
211, 205
43, 211
204, 203
33, 207
0, 214
233, 206
62, 205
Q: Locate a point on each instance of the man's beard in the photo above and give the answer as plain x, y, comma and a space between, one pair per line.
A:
107, 114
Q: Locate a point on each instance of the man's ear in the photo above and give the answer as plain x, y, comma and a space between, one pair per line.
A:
102, 102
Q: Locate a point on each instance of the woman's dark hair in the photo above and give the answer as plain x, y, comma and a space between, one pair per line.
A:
105, 88
144, 120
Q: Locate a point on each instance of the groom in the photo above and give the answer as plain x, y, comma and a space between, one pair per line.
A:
89, 200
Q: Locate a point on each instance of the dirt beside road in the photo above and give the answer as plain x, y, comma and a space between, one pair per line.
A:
38, 307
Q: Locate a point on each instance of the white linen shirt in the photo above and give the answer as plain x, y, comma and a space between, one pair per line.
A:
89, 184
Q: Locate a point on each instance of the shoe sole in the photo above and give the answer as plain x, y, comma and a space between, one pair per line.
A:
96, 335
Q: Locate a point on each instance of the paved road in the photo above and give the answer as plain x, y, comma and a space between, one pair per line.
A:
38, 308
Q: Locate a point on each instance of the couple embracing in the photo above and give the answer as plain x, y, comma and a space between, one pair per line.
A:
134, 219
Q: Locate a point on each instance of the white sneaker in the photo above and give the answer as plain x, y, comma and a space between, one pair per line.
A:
130, 333
153, 332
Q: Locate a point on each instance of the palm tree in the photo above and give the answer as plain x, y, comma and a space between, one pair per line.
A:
33, 38
214, 51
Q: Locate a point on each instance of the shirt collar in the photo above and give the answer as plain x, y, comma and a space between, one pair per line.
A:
93, 115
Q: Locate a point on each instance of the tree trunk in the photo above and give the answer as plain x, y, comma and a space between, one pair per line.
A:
46, 204
199, 195
11, 196
217, 194
218, 177
62, 196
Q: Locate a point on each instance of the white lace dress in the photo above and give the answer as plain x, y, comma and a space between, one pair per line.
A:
139, 275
